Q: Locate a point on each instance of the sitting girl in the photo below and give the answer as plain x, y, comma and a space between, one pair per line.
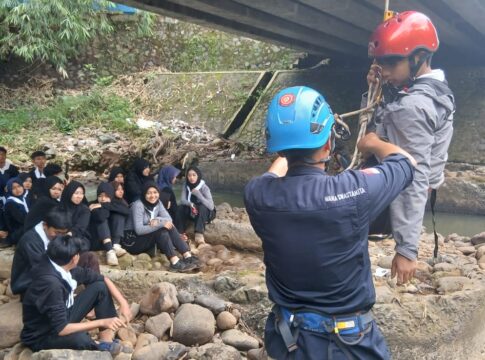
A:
195, 204
149, 224
16, 210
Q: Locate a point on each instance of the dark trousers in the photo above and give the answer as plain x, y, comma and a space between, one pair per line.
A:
314, 346
97, 296
184, 215
168, 241
112, 228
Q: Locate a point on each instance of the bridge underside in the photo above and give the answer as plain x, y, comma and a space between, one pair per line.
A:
337, 29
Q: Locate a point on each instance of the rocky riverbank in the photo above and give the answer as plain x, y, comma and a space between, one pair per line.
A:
439, 315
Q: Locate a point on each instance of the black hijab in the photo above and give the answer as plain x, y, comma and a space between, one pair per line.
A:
47, 184
148, 185
106, 188
139, 165
115, 172
69, 190
199, 177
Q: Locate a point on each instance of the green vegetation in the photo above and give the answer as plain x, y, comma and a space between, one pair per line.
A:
65, 114
55, 30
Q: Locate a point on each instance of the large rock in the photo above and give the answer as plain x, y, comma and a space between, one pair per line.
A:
214, 352
451, 284
478, 238
10, 324
193, 325
225, 321
6, 259
158, 325
161, 298
227, 232
127, 334
145, 340
239, 340
212, 303
160, 351
64, 354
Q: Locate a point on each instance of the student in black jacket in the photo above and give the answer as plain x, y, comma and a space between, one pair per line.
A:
135, 180
27, 184
16, 210
49, 197
33, 245
167, 176
52, 316
74, 202
7, 171
39, 160
107, 223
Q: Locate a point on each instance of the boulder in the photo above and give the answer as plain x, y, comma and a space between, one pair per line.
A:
160, 351
71, 355
145, 340
239, 235
214, 352
239, 340
385, 262
161, 298
452, 283
226, 321
10, 324
6, 259
212, 303
185, 297
158, 325
478, 238
127, 334
193, 325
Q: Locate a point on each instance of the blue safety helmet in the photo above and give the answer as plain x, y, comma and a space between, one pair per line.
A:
298, 118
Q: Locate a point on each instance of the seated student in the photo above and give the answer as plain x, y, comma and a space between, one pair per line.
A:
39, 160
33, 245
74, 202
121, 209
3, 228
16, 210
167, 176
52, 315
117, 174
101, 229
149, 224
48, 198
195, 204
7, 171
27, 184
136, 178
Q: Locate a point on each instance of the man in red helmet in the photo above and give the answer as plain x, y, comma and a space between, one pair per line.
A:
417, 115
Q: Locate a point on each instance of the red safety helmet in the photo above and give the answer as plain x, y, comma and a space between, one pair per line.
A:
403, 34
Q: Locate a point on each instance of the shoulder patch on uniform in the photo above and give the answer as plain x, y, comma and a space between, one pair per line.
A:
370, 171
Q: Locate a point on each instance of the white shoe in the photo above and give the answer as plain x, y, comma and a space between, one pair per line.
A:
119, 250
111, 258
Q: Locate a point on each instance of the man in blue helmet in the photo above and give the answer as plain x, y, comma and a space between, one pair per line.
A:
314, 231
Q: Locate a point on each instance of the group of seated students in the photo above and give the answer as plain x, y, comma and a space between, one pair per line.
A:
53, 228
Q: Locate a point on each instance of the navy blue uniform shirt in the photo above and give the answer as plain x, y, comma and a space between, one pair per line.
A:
314, 231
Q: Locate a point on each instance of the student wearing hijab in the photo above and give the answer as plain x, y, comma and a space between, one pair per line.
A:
74, 202
27, 184
136, 178
117, 174
150, 224
120, 211
16, 210
49, 197
7, 171
101, 232
195, 204
167, 177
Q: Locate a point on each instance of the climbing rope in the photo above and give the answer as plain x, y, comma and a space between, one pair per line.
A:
365, 116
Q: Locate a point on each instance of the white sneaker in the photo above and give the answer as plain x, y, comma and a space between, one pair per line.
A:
119, 250
111, 258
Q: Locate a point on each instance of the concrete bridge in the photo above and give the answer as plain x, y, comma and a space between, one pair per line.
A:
337, 29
